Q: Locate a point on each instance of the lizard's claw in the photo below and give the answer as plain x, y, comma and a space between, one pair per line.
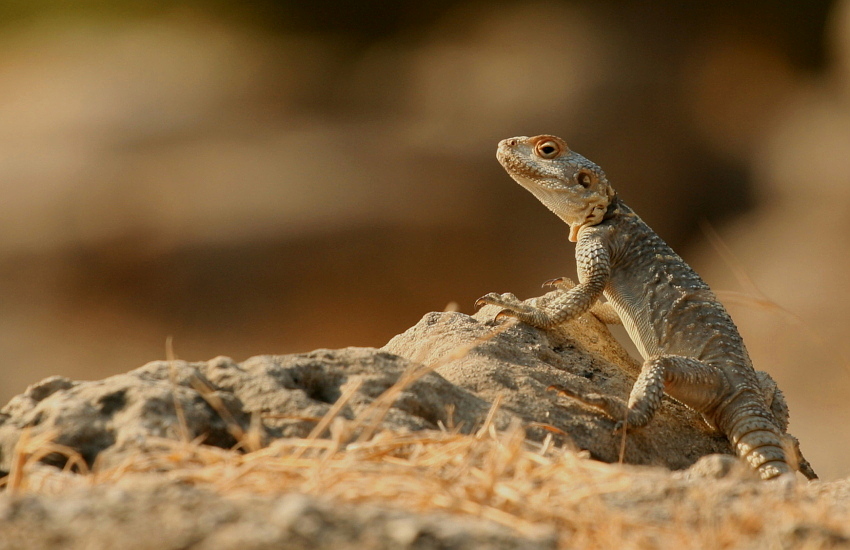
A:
505, 314
619, 426
562, 283
552, 282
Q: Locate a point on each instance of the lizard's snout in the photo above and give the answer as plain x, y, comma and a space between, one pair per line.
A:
507, 144
511, 142
506, 148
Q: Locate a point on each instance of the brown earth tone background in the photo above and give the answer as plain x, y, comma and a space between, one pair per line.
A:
275, 178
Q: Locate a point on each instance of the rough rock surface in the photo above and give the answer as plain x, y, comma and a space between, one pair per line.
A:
110, 417
520, 363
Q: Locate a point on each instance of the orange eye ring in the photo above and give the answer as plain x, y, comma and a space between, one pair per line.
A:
547, 149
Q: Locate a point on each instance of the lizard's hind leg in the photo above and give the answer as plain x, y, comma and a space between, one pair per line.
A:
688, 380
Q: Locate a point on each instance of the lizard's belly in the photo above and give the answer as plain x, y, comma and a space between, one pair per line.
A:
668, 320
634, 311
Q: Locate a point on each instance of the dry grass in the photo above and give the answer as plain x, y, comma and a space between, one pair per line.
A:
497, 476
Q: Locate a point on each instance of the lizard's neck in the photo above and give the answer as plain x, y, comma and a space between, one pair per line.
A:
616, 208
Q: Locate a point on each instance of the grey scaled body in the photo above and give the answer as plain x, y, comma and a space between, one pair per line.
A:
691, 348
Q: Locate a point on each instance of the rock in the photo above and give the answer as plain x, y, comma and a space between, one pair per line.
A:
216, 399
522, 362
720, 467
288, 394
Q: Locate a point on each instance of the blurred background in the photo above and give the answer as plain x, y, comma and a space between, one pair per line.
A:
278, 176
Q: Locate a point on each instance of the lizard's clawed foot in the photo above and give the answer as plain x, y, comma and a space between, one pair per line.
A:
512, 305
592, 399
495, 299
517, 309
561, 283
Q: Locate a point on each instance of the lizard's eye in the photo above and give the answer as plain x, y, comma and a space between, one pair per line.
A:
584, 179
547, 149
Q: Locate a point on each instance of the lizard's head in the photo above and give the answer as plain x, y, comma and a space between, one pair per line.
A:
567, 183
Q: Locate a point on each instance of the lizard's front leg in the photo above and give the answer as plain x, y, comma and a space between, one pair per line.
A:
594, 269
545, 315
603, 311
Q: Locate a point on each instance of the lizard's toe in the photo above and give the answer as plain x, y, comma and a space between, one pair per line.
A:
491, 298
506, 300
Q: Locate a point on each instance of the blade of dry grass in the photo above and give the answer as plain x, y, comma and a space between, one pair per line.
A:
332, 413
753, 297
31, 449
172, 377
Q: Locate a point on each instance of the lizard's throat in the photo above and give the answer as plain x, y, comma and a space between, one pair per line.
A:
577, 212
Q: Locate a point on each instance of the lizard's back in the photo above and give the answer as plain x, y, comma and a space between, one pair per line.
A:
668, 309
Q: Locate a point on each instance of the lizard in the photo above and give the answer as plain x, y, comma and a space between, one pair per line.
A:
691, 348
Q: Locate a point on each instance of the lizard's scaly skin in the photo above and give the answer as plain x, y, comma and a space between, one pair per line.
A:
691, 348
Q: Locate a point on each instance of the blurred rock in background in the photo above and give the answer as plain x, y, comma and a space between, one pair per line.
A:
273, 177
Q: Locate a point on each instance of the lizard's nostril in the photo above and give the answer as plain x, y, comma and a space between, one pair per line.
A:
512, 142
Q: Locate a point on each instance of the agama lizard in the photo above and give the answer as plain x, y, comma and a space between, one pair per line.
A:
691, 348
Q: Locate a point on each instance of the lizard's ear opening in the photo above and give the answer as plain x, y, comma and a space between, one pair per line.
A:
584, 179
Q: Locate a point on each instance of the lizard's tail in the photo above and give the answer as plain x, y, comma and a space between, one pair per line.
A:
757, 439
